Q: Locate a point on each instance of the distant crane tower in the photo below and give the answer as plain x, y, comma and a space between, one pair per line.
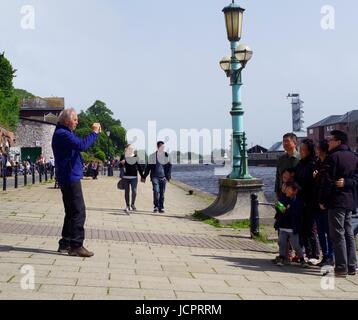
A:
297, 112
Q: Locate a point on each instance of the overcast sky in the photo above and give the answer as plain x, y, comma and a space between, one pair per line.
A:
158, 60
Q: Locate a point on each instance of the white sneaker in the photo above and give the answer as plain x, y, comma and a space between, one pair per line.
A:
127, 209
313, 262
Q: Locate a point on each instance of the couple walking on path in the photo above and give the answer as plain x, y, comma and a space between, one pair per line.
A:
159, 169
67, 148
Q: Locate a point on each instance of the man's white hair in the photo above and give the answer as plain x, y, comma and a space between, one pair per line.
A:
66, 114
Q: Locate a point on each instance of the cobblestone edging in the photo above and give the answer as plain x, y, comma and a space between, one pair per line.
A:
220, 242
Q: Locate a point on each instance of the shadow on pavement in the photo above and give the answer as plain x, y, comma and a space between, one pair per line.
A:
262, 265
30, 250
142, 212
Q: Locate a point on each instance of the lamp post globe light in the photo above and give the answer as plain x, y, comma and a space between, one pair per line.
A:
233, 66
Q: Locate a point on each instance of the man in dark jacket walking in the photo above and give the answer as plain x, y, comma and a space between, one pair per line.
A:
160, 168
337, 197
69, 172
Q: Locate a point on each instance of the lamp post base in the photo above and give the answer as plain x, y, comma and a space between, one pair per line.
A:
233, 202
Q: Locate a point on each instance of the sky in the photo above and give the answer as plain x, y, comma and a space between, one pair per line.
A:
159, 60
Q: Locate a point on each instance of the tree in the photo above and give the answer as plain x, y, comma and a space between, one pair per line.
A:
99, 112
9, 103
23, 94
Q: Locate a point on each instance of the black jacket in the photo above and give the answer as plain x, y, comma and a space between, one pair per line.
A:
341, 163
131, 167
304, 177
320, 167
291, 219
150, 168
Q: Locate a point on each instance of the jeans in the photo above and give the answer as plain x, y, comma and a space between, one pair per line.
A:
325, 242
73, 233
341, 232
159, 185
294, 240
130, 184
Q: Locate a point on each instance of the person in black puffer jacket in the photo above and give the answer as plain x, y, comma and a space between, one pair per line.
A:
304, 177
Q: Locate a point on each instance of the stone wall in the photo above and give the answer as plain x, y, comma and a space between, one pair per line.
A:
31, 134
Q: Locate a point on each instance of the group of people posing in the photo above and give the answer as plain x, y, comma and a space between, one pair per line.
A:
316, 189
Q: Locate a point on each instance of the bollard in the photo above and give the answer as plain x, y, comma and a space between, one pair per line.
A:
254, 216
16, 182
25, 176
33, 174
4, 180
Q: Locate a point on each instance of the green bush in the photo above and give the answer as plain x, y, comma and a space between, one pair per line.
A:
100, 155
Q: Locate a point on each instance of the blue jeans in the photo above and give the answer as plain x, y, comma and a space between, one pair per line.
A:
325, 242
159, 185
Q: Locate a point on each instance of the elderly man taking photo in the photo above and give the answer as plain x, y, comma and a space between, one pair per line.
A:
66, 147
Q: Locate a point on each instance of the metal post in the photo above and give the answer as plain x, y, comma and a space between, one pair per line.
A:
254, 216
239, 164
33, 174
236, 113
25, 176
4, 178
16, 182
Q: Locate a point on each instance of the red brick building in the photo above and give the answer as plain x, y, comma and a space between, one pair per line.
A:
347, 122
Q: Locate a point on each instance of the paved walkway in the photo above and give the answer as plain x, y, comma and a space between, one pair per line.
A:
142, 255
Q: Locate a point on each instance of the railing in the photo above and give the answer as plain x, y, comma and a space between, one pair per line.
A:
36, 174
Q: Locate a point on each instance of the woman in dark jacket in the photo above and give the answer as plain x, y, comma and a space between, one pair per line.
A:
321, 216
304, 177
129, 168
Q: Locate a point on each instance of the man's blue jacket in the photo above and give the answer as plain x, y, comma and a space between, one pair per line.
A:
67, 149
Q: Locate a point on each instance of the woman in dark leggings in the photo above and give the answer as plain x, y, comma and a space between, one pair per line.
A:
130, 167
304, 177
321, 216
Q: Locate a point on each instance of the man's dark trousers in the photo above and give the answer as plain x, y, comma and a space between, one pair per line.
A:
341, 232
73, 233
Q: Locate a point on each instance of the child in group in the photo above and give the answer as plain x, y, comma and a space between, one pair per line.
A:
288, 222
288, 176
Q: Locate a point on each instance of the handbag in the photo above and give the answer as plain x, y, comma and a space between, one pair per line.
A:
121, 185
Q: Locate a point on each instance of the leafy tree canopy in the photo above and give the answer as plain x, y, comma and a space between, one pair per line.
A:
105, 147
9, 103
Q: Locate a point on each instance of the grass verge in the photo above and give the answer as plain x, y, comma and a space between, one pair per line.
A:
237, 225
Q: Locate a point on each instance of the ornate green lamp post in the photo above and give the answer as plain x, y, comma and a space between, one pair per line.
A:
233, 66
233, 202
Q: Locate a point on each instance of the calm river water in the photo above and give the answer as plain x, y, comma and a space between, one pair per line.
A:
206, 177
